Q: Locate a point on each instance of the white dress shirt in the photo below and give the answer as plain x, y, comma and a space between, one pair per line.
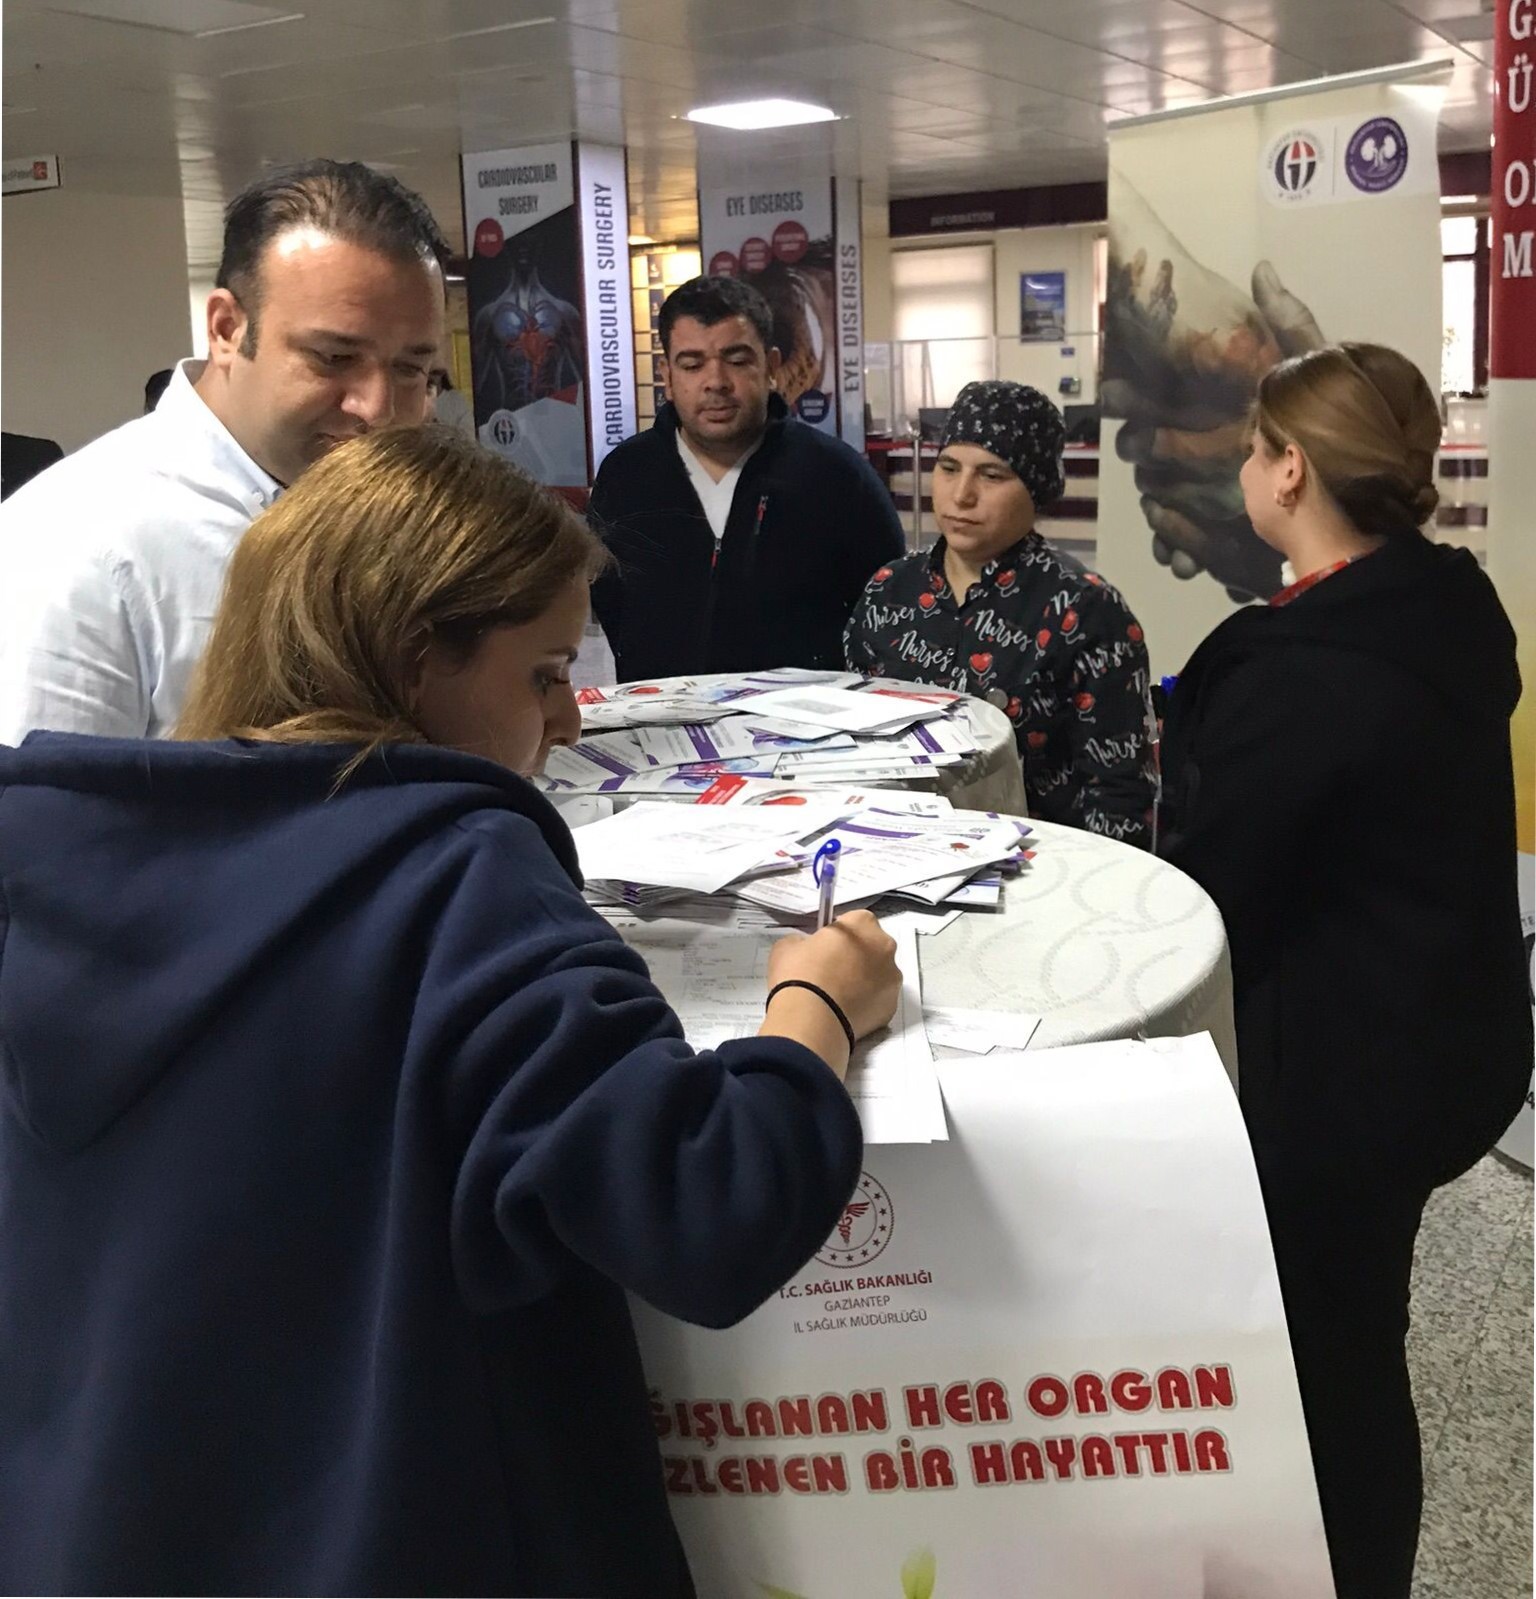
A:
716, 497
111, 566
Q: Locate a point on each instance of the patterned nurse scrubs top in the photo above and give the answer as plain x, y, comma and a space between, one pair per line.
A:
1051, 645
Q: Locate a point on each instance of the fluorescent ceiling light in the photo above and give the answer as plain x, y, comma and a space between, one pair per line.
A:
243, 27
194, 18
501, 27
638, 239
753, 114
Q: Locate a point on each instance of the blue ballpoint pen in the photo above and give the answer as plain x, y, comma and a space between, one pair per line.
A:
824, 872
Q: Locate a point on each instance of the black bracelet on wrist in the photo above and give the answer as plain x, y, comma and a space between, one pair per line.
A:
821, 994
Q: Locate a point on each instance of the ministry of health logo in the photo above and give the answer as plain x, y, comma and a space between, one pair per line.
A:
863, 1230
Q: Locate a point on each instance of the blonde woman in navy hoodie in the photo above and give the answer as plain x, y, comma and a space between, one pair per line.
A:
335, 1125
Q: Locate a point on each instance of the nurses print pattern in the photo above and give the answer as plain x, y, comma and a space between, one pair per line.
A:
1054, 647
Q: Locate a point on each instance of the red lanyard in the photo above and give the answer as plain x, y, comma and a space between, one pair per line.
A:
1310, 581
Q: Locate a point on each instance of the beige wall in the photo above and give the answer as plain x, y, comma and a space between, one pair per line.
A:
875, 227
1069, 250
1016, 251
93, 298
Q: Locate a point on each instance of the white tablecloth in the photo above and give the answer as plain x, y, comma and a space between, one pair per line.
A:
1102, 940
993, 778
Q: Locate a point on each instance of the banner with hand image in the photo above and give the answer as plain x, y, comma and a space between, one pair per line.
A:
1241, 233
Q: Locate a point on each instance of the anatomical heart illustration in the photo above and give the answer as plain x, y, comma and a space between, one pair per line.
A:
527, 340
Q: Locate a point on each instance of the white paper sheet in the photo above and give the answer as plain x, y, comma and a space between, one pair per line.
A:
842, 710
595, 760
682, 846
716, 981
760, 791
791, 676
978, 1032
579, 810
861, 767
732, 739
926, 924
880, 859
610, 715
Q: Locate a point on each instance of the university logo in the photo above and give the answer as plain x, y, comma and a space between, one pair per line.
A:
863, 1230
1377, 157
1294, 167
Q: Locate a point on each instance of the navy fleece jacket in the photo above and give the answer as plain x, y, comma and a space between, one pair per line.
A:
334, 1128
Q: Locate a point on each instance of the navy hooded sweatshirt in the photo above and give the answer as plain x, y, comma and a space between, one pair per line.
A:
334, 1128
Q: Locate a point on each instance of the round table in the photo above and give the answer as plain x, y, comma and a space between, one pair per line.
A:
990, 780
993, 778
1102, 940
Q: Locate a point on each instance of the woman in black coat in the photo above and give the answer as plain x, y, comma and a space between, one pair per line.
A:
1337, 775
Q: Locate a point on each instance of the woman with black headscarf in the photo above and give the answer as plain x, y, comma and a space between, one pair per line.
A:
994, 611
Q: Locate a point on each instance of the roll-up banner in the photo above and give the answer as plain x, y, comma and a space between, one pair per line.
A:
773, 227
848, 212
1512, 427
1239, 233
1047, 1375
551, 341
604, 207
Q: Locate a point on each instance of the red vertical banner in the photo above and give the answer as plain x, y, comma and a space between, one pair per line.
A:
1511, 427
1512, 349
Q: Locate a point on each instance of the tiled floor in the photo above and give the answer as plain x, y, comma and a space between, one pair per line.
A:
1470, 1350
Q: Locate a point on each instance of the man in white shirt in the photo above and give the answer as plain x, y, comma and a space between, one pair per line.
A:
326, 319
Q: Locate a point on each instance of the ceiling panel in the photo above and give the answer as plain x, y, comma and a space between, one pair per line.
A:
937, 94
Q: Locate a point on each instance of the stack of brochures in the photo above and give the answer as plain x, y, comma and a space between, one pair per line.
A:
761, 851
676, 736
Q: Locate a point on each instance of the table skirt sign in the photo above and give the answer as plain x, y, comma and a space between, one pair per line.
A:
1044, 1360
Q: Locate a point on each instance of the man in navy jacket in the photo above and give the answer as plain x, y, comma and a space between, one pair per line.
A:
742, 536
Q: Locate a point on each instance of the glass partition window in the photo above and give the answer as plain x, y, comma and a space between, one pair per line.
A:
1465, 265
944, 304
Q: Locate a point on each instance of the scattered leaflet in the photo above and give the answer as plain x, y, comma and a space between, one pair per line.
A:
978, 1032
733, 790
665, 712
733, 739
844, 710
716, 980
886, 855
685, 847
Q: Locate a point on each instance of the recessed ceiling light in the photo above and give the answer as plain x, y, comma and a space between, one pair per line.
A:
755, 114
